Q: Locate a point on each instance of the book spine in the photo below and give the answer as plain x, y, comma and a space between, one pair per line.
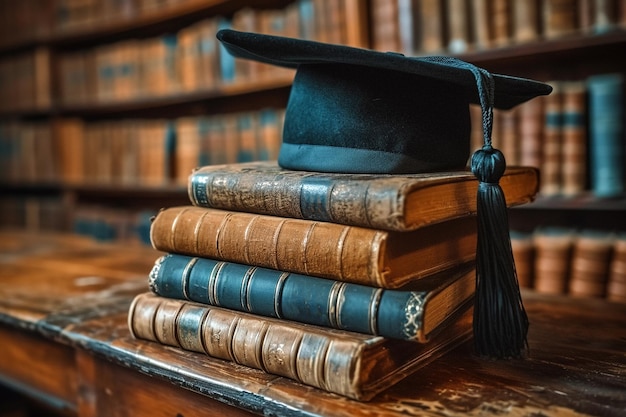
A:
574, 147
276, 347
431, 22
553, 249
321, 249
458, 26
531, 132
480, 27
606, 119
551, 159
501, 21
591, 255
559, 17
616, 283
337, 201
525, 21
271, 293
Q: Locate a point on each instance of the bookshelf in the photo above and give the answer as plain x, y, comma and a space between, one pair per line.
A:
57, 98
584, 46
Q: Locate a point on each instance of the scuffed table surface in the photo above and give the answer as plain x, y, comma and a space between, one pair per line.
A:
71, 296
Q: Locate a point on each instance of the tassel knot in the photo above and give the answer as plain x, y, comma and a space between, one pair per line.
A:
488, 165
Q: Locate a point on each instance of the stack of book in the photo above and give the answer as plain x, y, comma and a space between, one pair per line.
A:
344, 282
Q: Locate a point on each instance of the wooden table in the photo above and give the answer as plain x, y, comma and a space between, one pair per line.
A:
65, 342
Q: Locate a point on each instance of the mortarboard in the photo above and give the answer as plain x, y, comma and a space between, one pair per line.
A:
358, 110
362, 111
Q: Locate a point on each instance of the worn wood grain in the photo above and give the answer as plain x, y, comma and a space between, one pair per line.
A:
71, 343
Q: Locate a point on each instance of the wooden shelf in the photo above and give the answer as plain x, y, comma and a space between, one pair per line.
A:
146, 24
561, 54
585, 201
227, 97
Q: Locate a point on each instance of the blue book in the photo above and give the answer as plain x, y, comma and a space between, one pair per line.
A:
399, 314
226, 60
606, 131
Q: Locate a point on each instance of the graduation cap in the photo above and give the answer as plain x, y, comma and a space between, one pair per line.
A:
357, 110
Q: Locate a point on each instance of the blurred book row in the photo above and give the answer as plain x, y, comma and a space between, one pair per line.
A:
575, 136
145, 152
186, 61
585, 263
37, 20
457, 26
51, 213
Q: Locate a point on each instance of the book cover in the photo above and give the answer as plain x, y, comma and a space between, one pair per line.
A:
387, 202
399, 314
328, 250
351, 364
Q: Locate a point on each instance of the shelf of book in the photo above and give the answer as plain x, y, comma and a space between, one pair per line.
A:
531, 58
237, 96
126, 20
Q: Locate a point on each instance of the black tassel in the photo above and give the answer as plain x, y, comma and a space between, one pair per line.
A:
500, 320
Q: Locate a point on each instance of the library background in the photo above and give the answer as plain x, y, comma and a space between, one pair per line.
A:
107, 107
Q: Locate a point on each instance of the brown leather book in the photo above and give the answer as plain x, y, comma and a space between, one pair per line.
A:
553, 249
591, 256
616, 285
574, 137
387, 202
559, 18
552, 142
345, 253
346, 363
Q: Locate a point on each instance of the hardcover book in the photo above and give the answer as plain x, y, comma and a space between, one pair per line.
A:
371, 257
351, 364
387, 202
409, 314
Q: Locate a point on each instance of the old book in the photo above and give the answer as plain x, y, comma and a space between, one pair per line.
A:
347, 253
531, 123
501, 21
574, 139
591, 257
457, 16
481, 31
351, 364
399, 314
553, 249
387, 202
616, 284
559, 18
525, 21
552, 142
606, 129
432, 27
